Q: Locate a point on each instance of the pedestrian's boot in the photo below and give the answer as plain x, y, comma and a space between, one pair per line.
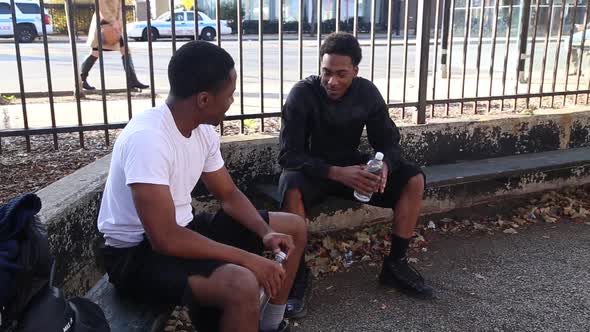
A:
132, 82
399, 274
84, 70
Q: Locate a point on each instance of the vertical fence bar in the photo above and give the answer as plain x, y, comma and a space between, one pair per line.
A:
241, 62
436, 35
338, 10
422, 47
218, 38
406, 20
373, 15
260, 59
173, 24
478, 61
196, 13
218, 22
532, 57
300, 39
71, 32
446, 23
126, 45
19, 67
556, 64
581, 49
281, 73
569, 51
389, 30
355, 25
319, 28
450, 59
48, 72
465, 47
549, 23
96, 18
151, 52
508, 33
494, 36
525, 10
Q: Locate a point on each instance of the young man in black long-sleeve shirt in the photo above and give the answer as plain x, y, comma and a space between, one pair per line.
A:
323, 120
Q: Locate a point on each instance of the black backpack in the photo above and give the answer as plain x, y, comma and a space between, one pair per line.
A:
28, 300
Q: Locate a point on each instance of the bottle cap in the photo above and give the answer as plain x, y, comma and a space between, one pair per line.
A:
280, 256
379, 156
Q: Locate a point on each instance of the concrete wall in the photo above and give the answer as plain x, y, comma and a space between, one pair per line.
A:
70, 205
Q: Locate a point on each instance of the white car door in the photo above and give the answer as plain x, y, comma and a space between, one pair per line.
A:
181, 26
5, 19
190, 22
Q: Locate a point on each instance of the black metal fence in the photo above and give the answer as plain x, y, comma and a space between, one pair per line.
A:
460, 56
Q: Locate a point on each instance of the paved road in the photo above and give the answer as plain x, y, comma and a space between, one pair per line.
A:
537, 280
62, 72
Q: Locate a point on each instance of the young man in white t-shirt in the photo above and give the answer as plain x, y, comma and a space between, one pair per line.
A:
154, 247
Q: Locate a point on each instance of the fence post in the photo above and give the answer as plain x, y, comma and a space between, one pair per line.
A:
422, 57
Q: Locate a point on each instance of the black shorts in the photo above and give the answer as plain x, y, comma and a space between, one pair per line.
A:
315, 190
145, 274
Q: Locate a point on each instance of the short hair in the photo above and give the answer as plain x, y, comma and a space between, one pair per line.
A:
198, 66
342, 43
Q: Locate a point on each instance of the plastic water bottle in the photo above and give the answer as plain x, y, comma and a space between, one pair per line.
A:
280, 257
348, 258
374, 166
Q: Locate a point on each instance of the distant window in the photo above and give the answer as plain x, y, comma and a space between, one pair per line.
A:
200, 17
179, 17
29, 8
4, 8
190, 16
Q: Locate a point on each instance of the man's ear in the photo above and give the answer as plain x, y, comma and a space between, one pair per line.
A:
356, 70
203, 99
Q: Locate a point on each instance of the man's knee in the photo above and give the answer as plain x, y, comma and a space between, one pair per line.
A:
299, 228
236, 284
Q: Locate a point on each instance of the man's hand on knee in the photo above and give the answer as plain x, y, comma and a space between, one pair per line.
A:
270, 274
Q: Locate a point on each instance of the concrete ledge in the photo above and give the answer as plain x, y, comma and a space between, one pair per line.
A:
70, 208
70, 205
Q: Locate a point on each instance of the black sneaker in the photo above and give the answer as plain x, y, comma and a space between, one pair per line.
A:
284, 326
403, 276
296, 303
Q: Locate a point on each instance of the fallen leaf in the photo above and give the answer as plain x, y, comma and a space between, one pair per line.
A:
549, 219
383, 307
510, 231
413, 260
479, 276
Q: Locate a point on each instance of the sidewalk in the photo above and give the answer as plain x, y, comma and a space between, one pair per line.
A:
535, 280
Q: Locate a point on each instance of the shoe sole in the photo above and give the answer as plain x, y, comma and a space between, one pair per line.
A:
407, 291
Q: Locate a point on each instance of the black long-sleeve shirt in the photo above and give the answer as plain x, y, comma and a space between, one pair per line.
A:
318, 132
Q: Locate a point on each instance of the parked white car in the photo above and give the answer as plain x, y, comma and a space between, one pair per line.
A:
29, 20
184, 27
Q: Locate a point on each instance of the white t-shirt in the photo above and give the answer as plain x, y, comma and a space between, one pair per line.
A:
151, 149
